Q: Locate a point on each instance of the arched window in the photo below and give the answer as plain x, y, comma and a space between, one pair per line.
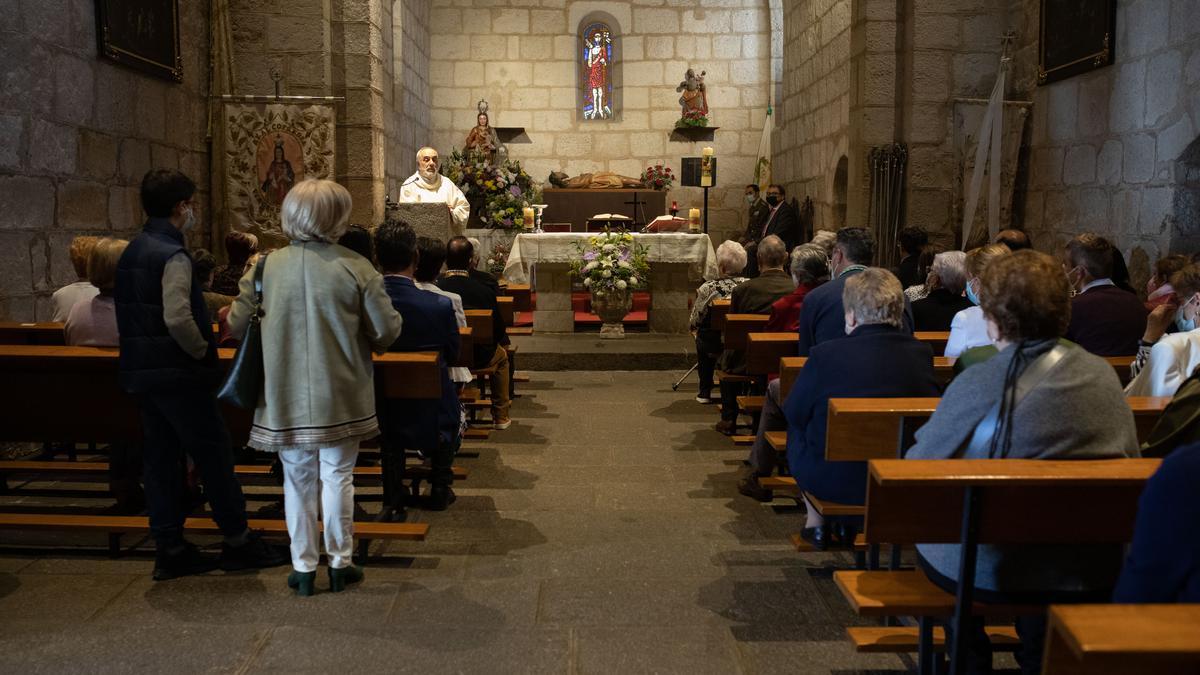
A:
599, 68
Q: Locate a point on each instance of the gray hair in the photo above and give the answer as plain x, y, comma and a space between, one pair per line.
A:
316, 210
875, 297
427, 147
772, 252
731, 258
475, 246
825, 239
809, 264
951, 270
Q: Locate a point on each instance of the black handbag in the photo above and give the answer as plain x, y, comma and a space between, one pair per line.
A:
244, 382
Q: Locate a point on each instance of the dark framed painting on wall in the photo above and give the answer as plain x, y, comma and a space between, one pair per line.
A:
1076, 36
141, 34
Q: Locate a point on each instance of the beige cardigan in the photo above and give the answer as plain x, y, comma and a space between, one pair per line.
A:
324, 311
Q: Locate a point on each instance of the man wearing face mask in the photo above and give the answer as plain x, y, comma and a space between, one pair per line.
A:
758, 214
428, 186
1105, 320
1164, 361
782, 221
168, 361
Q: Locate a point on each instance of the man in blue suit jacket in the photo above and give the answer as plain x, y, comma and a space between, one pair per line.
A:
430, 427
878, 359
821, 317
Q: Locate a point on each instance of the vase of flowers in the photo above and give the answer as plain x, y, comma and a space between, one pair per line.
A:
658, 177
496, 260
497, 192
692, 119
612, 266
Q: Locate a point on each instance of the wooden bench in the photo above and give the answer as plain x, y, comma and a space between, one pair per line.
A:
466, 344
522, 297
1122, 365
738, 327
935, 339
764, 351
101, 468
44, 333
507, 309
1122, 639
790, 367
973, 502
717, 312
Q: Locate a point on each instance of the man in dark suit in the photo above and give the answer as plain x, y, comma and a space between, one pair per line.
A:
821, 317
782, 220
758, 214
430, 427
477, 294
1105, 320
753, 297
878, 358
947, 280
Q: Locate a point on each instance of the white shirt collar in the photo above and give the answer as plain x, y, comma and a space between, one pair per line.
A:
1096, 284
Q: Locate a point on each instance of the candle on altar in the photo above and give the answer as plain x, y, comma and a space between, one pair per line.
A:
693, 220
708, 152
527, 216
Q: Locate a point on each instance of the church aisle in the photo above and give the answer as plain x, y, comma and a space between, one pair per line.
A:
601, 533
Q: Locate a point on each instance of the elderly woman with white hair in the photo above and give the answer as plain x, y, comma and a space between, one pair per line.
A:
731, 260
945, 283
325, 311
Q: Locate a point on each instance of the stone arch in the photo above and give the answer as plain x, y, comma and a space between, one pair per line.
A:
613, 100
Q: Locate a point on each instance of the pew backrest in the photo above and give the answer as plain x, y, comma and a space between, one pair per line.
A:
43, 333
717, 311
1018, 501
506, 305
739, 326
522, 296
764, 350
480, 321
935, 339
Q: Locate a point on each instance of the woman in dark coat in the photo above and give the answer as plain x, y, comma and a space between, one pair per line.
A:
879, 359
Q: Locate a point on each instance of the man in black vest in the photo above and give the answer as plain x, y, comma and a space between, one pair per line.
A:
168, 361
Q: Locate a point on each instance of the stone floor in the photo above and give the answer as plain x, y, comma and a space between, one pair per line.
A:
601, 533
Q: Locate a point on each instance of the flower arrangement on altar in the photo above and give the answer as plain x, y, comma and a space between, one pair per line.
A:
496, 260
692, 118
498, 191
611, 262
658, 177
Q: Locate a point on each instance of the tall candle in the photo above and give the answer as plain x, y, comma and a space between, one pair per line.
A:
527, 214
694, 220
708, 152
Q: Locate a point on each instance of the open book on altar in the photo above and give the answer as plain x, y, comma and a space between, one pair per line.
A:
609, 216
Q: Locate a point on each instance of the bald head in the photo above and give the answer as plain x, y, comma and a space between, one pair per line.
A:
458, 253
772, 253
427, 163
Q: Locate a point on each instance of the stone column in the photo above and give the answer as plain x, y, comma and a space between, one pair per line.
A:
553, 284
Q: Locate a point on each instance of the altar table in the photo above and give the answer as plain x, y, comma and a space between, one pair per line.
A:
679, 262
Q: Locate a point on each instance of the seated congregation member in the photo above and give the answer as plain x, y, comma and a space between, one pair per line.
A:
822, 317
912, 242
1163, 563
93, 323
65, 298
878, 358
358, 239
324, 311
1105, 320
968, 329
809, 269
946, 282
431, 255
1015, 240
430, 427
731, 260
239, 248
1159, 290
924, 263
477, 274
476, 294
204, 267
752, 297
1164, 361
168, 361
1038, 398
826, 239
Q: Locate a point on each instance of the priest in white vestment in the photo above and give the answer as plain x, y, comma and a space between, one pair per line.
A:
428, 186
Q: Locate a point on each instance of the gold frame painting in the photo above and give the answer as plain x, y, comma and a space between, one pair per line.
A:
141, 34
1075, 36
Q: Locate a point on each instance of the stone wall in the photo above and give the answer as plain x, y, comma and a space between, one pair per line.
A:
520, 55
408, 97
813, 119
77, 134
1105, 148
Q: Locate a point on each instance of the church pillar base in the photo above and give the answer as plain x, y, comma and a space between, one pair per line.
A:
670, 286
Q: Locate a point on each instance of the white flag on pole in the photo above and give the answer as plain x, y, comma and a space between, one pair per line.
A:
762, 168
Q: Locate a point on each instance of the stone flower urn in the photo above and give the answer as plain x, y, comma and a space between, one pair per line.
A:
611, 307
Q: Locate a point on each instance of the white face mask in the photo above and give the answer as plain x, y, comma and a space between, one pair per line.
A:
190, 221
750, 199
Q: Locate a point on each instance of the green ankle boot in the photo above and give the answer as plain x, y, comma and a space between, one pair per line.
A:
338, 578
303, 582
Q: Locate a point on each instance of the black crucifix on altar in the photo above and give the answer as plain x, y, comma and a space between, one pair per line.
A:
639, 214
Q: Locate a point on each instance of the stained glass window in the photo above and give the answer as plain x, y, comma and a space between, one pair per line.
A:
597, 55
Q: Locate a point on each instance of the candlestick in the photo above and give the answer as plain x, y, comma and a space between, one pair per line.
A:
527, 216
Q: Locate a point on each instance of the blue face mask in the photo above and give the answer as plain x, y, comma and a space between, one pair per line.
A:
1183, 323
971, 294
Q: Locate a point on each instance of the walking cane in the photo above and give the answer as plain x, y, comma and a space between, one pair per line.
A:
675, 387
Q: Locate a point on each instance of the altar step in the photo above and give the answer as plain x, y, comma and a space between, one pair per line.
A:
588, 351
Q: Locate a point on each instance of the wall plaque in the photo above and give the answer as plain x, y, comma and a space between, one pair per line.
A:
141, 34
1077, 36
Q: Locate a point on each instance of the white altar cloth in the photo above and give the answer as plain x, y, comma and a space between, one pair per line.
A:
559, 247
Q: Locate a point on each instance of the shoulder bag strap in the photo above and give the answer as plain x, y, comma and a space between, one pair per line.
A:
981, 438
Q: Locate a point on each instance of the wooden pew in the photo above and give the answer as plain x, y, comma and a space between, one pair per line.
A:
507, 309
790, 367
521, 294
764, 351
45, 333
101, 468
466, 344
935, 339
716, 314
480, 322
738, 327
1122, 639
1121, 364
1008, 502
